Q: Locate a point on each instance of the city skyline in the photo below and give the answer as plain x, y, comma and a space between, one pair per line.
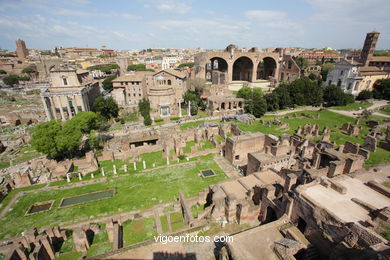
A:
141, 24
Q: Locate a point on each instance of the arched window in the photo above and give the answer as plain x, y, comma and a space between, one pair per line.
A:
169, 82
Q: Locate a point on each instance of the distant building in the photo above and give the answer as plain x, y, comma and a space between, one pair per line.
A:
354, 78
131, 88
314, 56
356, 75
71, 91
234, 64
21, 50
163, 89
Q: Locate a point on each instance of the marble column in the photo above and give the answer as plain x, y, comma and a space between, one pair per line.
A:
82, 103
68, 106
47, 112
53, 108
61, 109
75, 104
180, 115
189, 108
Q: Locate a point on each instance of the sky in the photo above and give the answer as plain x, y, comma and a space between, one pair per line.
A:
141, 24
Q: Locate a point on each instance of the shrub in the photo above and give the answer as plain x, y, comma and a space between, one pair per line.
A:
364, 95
158, 120
174, 118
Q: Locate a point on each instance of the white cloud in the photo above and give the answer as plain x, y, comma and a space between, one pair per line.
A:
171, 6
265, 15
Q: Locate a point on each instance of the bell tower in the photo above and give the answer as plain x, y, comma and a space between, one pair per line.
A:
369, 47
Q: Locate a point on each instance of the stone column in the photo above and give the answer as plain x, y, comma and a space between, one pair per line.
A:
87, 103
82, 103
47, 112
189, 108
75, 104
254, 71
61, 109
53, 108
68, 106
229, 78
180, 115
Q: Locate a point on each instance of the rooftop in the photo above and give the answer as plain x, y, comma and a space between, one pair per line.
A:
341, 205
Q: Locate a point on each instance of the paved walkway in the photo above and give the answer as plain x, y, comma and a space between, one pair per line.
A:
157, 221
225, 165
169, 222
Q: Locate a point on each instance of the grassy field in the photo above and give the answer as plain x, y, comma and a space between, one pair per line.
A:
137, 191
164, 223
385, 110
135, 231
323, 118
353, 106
177, 221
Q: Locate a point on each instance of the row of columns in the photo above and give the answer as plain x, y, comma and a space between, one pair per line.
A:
227, 105
50, 108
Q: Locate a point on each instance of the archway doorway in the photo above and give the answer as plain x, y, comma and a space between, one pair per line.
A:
270, 215
243, 69
266, 68
217, 67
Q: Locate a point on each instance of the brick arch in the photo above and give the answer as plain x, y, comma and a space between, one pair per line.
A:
266, 68
243, 69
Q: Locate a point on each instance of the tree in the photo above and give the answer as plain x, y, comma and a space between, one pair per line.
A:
144, 109
196, 84
43, 138
364, 95
11, 79
107, 107
104, 68
68, 140
325, 70
301, 62
107, 83
196, 101
186, 64
335, 96
272, 101
245, 93
312, 76
138, 67
258, 103
283, 96
382, 89
85, 121
29, 70
254, 101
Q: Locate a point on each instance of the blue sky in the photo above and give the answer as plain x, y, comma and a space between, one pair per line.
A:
138, 24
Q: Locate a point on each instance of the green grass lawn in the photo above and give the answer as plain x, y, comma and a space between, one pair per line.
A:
185, 126
138, 191
187, 148
164, 223
98, 249
4, 164
353, 106
206, 144
195, 210
135, 231
385, 110
177, 221
25, 154
69, 256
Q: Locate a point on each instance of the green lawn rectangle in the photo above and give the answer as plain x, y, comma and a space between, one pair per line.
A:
177, 221
138, 230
